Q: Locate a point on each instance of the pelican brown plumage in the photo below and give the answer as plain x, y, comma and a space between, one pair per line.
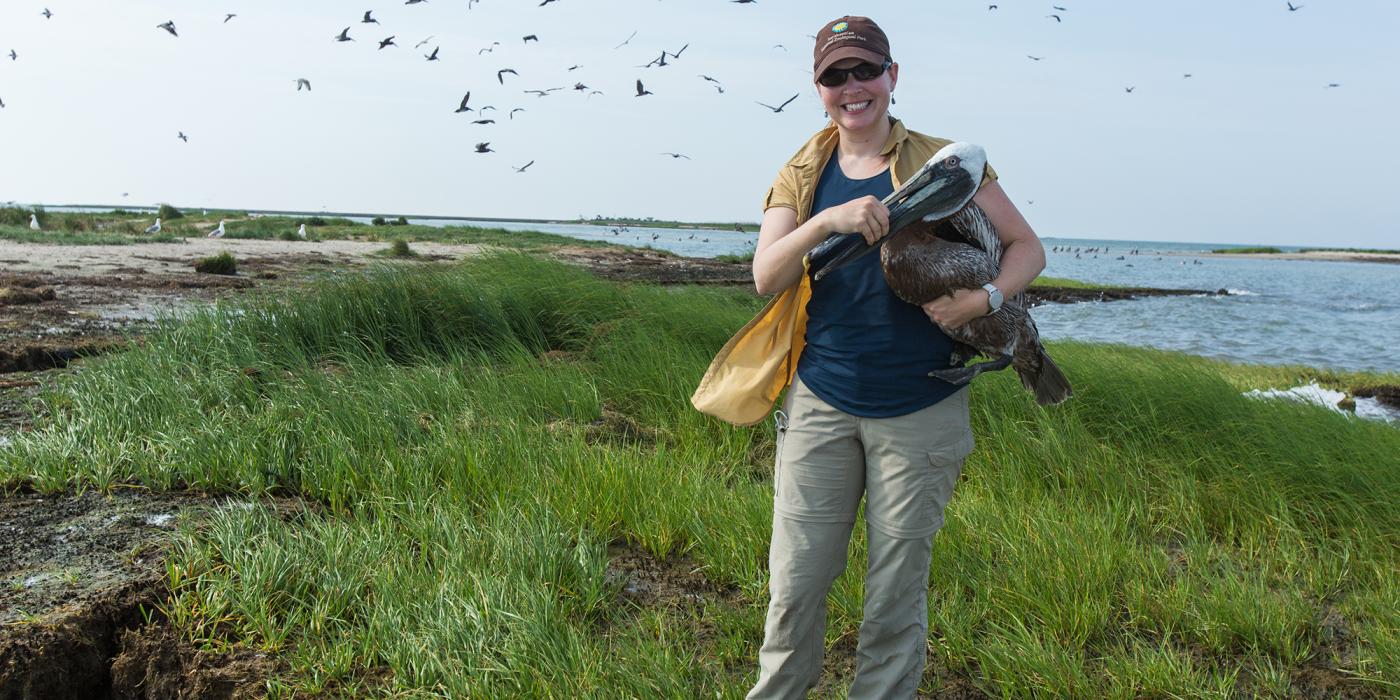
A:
939, 242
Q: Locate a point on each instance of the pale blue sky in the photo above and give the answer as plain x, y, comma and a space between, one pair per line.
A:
1253, 148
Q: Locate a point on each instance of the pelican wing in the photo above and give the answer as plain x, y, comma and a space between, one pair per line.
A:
974, 226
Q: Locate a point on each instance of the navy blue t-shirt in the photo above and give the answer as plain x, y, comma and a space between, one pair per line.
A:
868, 352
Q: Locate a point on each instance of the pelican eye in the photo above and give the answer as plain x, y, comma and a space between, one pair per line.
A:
951, 161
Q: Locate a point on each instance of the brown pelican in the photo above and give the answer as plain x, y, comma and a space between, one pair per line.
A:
939, 242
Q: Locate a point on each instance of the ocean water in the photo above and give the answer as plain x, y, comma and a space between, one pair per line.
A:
1342, 315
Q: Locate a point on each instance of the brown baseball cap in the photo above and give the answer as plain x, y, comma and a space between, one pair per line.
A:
849, 37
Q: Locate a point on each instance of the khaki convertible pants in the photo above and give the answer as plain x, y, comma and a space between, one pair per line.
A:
906, 467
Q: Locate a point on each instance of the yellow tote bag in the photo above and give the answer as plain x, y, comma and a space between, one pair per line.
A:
751, 369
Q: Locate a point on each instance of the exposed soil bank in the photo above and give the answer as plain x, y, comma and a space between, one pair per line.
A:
81, 579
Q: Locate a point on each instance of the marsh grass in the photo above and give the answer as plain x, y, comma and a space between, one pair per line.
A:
1158, 535
1065, 283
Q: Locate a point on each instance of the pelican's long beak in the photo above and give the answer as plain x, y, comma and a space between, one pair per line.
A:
942, 187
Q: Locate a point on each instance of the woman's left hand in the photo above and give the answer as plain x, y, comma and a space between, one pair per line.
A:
961, 306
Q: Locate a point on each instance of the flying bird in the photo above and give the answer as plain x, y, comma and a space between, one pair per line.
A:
463, 107
388, 42
522, 168
1332, 85
1291, 7
624, 41
484, 147
489, 49
344, 35
678, 53
484, 121
641, 90
368, 19
991, 7
419, 44
676, 155
580, 87
303, 82
433, 56
228, 16
2, 104
1057, 18
413, 2
780, 107
546, 2
1057, 7
500, 74
575, 67
169, 26
1129, 88
183, 137
529, 38
1034, 58
542, 93
47, 14
13, 55
154, 228
513, 111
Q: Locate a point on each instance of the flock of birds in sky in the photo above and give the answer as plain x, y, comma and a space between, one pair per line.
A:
665, 58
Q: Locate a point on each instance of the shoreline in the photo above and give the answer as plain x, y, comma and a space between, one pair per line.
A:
1325, 255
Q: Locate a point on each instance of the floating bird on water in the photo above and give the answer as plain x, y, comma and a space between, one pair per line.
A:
780, 107
388, 42
641, 90
344, 35
303, 82
368, 19
169, 26
484, 147
463, 107
940, 242
154, 228
34, 222
522, 168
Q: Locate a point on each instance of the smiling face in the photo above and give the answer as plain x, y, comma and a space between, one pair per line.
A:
868, 100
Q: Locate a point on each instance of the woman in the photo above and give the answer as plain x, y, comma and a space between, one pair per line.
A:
862, 417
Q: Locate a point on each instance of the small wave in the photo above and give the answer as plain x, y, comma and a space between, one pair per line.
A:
1316, 395
1240, 292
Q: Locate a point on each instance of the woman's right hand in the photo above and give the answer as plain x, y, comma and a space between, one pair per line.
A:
867, 216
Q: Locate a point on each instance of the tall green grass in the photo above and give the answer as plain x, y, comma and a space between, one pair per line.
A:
470, 440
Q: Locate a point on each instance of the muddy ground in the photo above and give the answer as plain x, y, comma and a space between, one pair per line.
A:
82, 574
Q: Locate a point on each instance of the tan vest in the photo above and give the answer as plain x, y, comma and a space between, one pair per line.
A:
754, 367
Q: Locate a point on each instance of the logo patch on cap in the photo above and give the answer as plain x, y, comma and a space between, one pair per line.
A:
839, 27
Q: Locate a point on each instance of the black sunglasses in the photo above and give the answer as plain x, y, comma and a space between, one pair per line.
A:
836, 77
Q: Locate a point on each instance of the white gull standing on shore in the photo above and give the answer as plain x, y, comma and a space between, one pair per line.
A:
218, 232
34, 222
154, 228
301, 231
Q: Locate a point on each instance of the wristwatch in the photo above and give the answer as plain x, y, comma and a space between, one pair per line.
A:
993, 297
